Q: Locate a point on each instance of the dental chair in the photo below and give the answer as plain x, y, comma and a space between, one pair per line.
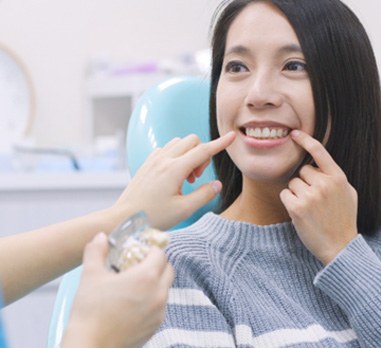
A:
174, 108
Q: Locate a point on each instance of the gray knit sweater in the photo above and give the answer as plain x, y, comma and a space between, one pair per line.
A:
242, 285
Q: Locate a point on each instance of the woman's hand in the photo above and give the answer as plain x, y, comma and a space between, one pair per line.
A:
321, 202
119, 310
156, 187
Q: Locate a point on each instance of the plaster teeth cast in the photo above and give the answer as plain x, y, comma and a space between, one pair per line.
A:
136, 249
266, 133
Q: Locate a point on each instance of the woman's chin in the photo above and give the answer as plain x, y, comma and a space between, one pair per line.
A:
270, 174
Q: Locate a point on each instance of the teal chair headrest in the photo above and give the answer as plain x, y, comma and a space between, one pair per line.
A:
174, 108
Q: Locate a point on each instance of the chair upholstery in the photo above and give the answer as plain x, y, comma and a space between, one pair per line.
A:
174, 108
62, 306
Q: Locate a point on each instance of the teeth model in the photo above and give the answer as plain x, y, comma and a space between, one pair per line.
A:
135, 248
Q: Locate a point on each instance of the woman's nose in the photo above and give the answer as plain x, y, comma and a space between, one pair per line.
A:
263, 92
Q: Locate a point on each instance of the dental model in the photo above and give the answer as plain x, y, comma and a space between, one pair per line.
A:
136, 249
130, 242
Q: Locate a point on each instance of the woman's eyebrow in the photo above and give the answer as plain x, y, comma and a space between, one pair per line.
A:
285, 49
239, 49
290, 48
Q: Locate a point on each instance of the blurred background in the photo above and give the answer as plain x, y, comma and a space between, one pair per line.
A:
88, 61
70, 74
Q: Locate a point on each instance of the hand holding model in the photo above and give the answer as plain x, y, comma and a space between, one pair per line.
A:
118, 310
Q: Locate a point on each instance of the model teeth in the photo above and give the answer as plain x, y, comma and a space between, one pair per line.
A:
266, 133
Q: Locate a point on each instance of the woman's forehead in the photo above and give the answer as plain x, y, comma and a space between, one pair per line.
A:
260, 25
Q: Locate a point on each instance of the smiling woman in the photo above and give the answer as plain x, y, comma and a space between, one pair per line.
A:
294, 257
264, 88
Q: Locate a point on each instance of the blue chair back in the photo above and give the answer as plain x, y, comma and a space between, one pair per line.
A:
62, 307
174, 108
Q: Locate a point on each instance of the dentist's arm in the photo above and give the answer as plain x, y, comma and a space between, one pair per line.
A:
31, 259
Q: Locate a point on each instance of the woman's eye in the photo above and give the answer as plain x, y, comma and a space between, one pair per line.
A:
235, 67
295, 66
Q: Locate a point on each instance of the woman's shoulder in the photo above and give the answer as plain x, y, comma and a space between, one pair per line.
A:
189, 249
191, 238
374, 241
205, 241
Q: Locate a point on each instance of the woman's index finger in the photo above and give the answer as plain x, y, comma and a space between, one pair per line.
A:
317, 150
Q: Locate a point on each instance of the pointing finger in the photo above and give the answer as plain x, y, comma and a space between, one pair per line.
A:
318, 152
202, 154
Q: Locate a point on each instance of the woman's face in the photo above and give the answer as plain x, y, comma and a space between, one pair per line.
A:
263, 93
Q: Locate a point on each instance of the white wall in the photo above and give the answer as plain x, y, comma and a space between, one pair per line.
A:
368, 12
56, 39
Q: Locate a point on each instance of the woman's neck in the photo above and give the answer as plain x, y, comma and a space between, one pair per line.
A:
258, 203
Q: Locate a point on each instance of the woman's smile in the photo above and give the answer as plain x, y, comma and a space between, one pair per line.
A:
264, 135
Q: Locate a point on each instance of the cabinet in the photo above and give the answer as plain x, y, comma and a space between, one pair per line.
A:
32, 200
110, 101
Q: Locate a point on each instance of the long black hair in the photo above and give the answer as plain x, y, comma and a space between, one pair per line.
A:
346, 88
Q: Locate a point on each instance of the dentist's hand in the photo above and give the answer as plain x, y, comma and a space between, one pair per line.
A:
118, 310
321, 202
156, 187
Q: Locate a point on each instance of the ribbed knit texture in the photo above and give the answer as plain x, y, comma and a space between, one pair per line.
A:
242, 285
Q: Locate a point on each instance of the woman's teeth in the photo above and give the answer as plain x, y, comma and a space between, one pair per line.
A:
266, 133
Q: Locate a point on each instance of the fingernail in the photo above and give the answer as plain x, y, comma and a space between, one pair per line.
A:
294, 133
100, 237
217, 186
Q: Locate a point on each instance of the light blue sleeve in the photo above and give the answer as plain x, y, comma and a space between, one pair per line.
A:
3, 343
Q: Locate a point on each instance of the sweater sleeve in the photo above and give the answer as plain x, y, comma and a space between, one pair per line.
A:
192, 318
353, 281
